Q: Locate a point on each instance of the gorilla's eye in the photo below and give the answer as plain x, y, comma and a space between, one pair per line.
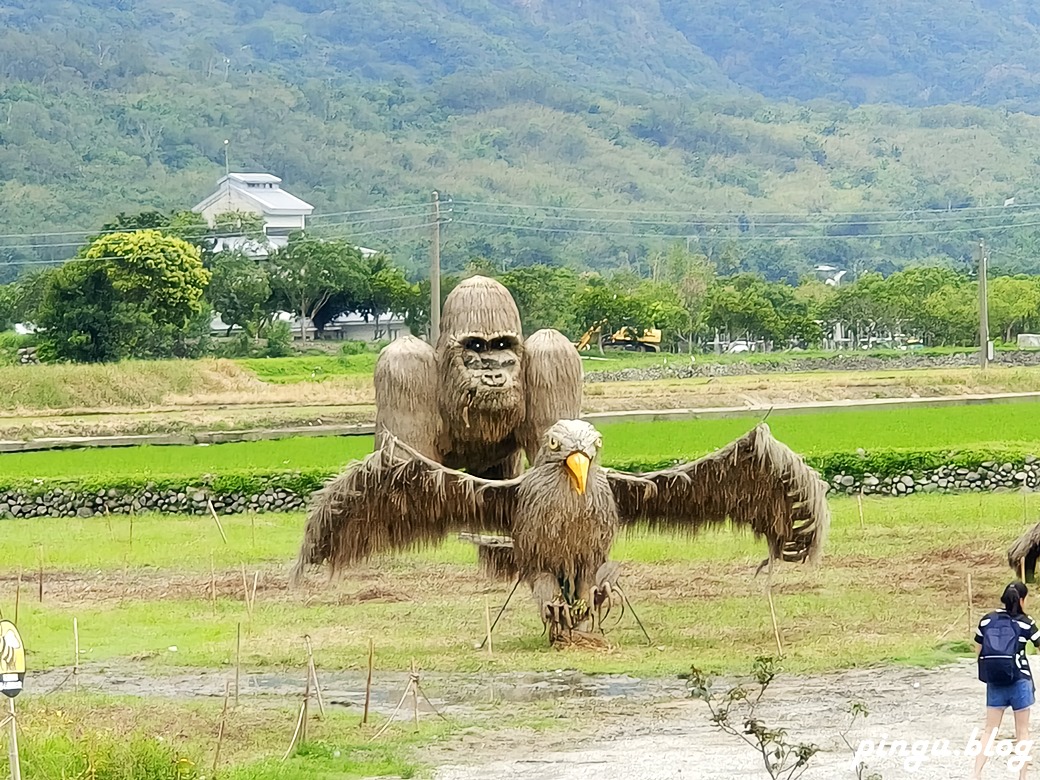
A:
499, 344
554, 443
475, 345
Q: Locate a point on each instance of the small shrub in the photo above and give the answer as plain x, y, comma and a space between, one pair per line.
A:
353, 348
279, 339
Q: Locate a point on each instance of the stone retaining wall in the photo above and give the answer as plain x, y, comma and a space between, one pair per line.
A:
989, 476
680, 367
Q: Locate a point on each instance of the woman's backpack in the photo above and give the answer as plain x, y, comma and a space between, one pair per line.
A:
1000, 645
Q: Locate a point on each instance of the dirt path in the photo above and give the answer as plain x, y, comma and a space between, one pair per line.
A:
644, 729
675, 739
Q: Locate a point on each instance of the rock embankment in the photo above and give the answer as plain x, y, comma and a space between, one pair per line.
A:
702, 366
989, 476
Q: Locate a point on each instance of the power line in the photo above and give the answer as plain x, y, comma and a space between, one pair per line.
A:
747, 212
701, 224
412, 206
744, 237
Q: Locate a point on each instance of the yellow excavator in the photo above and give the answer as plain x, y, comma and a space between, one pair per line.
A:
623, 338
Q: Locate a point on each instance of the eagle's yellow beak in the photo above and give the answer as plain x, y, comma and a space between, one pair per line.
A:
578, 466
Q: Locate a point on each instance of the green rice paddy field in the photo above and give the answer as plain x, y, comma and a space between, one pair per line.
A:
997, 425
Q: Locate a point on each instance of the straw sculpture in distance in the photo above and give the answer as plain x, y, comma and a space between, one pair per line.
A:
564, 512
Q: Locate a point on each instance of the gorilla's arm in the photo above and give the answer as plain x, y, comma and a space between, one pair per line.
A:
552, 386
406, 396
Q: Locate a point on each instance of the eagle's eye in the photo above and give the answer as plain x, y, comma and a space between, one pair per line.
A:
554, 443
599, 443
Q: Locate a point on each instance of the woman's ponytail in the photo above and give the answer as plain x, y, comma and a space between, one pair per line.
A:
1012, 598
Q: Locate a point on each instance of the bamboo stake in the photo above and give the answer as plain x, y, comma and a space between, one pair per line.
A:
487, 624
223, 723
75, 666
238, 660
216, 520
859, 501
776, 627
296, 733
12, 742
252, 596
415, 694
252, 528
17, 596
312, 670
1022, 569
306, 707
131, 531
970, 621
212, 585
41, 576
245, 593
368, 684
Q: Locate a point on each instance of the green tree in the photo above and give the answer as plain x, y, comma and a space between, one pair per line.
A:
240, 291
691, 274
82, 318
385, 290
161, 274
307, 272
538, 291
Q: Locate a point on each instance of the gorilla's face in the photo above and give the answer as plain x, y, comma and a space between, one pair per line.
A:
492, 366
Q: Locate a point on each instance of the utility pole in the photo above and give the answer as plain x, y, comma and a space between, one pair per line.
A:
435, 273
983, 307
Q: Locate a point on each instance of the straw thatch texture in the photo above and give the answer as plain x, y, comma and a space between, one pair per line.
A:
396, 499
1026, 549
755, 481
552, 384
406, 394
477, 305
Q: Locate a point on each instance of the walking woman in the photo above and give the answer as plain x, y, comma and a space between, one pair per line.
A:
1001, 638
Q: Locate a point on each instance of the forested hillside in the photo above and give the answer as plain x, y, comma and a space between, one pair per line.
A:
649, 111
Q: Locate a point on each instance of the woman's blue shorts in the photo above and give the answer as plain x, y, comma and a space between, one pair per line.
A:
1018, 696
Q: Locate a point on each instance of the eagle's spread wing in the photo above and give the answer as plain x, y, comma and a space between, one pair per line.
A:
755, 481
397, 499
552, 386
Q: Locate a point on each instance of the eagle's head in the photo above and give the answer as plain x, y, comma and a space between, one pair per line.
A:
575, 445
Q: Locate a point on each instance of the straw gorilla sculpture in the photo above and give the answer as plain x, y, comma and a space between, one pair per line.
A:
482, 398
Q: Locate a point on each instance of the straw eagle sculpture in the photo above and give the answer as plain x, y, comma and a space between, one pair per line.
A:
564, 512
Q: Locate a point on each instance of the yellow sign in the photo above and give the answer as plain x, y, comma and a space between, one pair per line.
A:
12, 659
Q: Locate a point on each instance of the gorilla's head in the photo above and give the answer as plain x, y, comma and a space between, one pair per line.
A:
480, 359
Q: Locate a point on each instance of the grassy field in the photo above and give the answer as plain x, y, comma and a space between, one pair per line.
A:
891, 590
951, 427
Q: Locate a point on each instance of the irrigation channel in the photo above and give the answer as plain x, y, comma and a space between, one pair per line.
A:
646, 729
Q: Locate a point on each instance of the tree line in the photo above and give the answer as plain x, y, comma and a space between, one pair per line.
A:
148, 285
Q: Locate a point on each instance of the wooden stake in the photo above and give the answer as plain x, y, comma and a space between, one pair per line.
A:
776, 628
1022, 569
41, 576
296, 733
415, 694
368, 684
252, 528
238, 660
859, 501
212, 584
312, 670
131, 531
223, 723
12, 742
306, 706
216, 520
971, 623
245, 593
75, 666
17, 596
252, 596
487, 624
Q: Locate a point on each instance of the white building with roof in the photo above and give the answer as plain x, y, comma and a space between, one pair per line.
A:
257, 193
